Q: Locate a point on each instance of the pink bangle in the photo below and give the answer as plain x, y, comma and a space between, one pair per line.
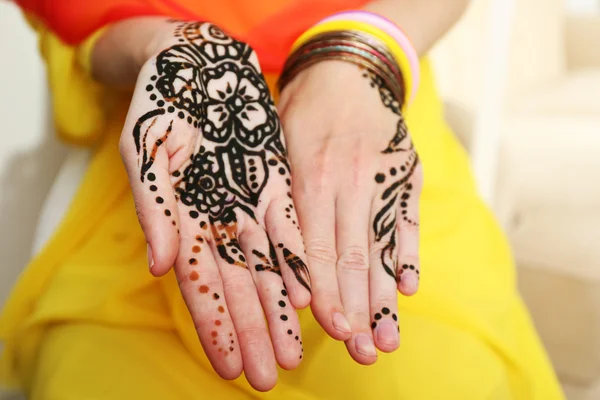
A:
391, 29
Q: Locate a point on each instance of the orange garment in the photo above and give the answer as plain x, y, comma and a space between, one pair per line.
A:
268, 26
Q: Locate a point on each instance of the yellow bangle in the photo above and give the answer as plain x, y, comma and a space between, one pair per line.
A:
394, 48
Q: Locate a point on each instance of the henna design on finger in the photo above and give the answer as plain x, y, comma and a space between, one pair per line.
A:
148, 157
397, 181
283, 317
297, 266
385, 312
271, 264
267, 264
407, 267
212, 84
288, 211
225, 343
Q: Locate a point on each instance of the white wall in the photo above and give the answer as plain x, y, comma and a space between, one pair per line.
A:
583, 6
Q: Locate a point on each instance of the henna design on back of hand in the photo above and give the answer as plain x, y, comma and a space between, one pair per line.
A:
397, 181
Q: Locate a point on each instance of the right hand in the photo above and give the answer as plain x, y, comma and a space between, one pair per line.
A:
206, 159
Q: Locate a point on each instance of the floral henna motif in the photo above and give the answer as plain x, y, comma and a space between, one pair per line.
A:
213, 83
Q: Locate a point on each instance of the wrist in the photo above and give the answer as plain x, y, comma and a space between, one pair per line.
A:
123, 48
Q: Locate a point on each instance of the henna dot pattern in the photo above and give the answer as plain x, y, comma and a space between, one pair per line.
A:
282, 303
204, 289
385, 312
407, 267
288, 215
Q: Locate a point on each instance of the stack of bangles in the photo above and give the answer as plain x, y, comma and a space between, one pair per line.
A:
364, 39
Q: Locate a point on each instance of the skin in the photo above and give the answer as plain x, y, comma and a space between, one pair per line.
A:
337, 154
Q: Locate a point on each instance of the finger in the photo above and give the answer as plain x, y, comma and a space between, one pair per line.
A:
384, 297
284, 324
316, 212
352, 238
284, 231
408, 275
153, 142
244, 304
203, 292
383, 256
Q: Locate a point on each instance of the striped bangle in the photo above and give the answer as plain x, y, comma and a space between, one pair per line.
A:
350, 46
403, 54
391, 29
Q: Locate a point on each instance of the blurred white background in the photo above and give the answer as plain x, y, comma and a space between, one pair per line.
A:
521, 80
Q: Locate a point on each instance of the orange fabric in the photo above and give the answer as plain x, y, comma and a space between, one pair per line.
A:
269, 26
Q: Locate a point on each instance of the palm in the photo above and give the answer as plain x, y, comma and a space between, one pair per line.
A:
209, 155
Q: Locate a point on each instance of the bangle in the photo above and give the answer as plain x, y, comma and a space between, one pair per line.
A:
391, 29
354, 40
351, 46
398, 53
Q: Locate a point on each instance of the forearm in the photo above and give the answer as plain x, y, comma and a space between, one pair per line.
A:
424, 21
124, 47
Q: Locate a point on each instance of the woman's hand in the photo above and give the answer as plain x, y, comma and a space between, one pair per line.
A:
207, 163
357, 181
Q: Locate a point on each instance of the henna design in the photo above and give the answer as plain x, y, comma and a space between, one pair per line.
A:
289, 208
213, 83
406, 267
398, 186
224, 348
389, 102
297, 266
268, 264
148, 158
384, 312
271, 264
283, 317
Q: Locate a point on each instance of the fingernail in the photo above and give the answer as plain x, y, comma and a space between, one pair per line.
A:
364, 345
150, 258
411, 282
341, 323
387, 333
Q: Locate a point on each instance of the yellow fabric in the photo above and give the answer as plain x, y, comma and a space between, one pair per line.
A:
393, 46
87, 321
